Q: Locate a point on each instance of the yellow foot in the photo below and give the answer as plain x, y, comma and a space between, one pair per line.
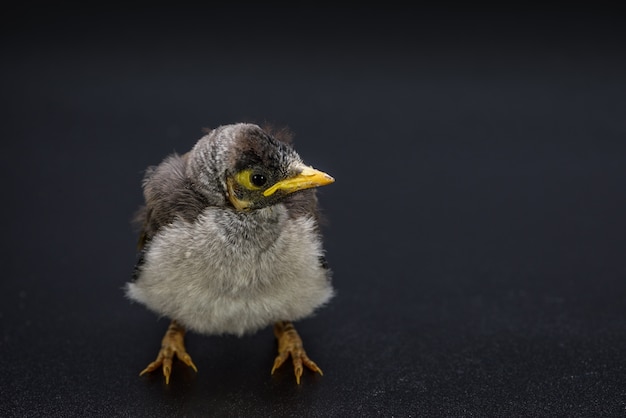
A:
290, 343
172, 344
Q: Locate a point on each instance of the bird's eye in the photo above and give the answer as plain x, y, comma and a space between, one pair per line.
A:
258, 180
251, 179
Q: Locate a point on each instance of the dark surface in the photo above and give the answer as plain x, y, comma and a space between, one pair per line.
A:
477, 227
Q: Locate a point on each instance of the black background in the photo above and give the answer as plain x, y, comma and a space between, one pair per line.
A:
476, 228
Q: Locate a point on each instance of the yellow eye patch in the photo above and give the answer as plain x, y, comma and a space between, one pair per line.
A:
250, 180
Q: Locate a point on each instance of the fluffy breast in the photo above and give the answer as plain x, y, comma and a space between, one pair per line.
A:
233, 272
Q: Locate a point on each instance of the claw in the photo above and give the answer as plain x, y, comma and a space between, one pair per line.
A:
186, 358
172, 344
290, 344
151, 367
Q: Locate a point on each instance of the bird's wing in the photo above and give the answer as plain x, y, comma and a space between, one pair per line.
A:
169, 194
305, 203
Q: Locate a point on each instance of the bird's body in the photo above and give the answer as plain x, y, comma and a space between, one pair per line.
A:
228, 272
230, 240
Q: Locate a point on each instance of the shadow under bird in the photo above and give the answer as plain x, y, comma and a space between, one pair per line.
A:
230, 243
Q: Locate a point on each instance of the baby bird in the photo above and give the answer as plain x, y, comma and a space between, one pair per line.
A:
230, 243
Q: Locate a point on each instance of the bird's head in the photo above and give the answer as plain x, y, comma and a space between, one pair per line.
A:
249, 168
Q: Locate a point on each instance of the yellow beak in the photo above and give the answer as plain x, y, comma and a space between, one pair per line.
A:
308, 177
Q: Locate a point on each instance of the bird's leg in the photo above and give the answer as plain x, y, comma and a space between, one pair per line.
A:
290, 343
172, 344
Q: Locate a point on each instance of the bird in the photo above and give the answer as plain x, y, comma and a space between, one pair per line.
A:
230, 242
